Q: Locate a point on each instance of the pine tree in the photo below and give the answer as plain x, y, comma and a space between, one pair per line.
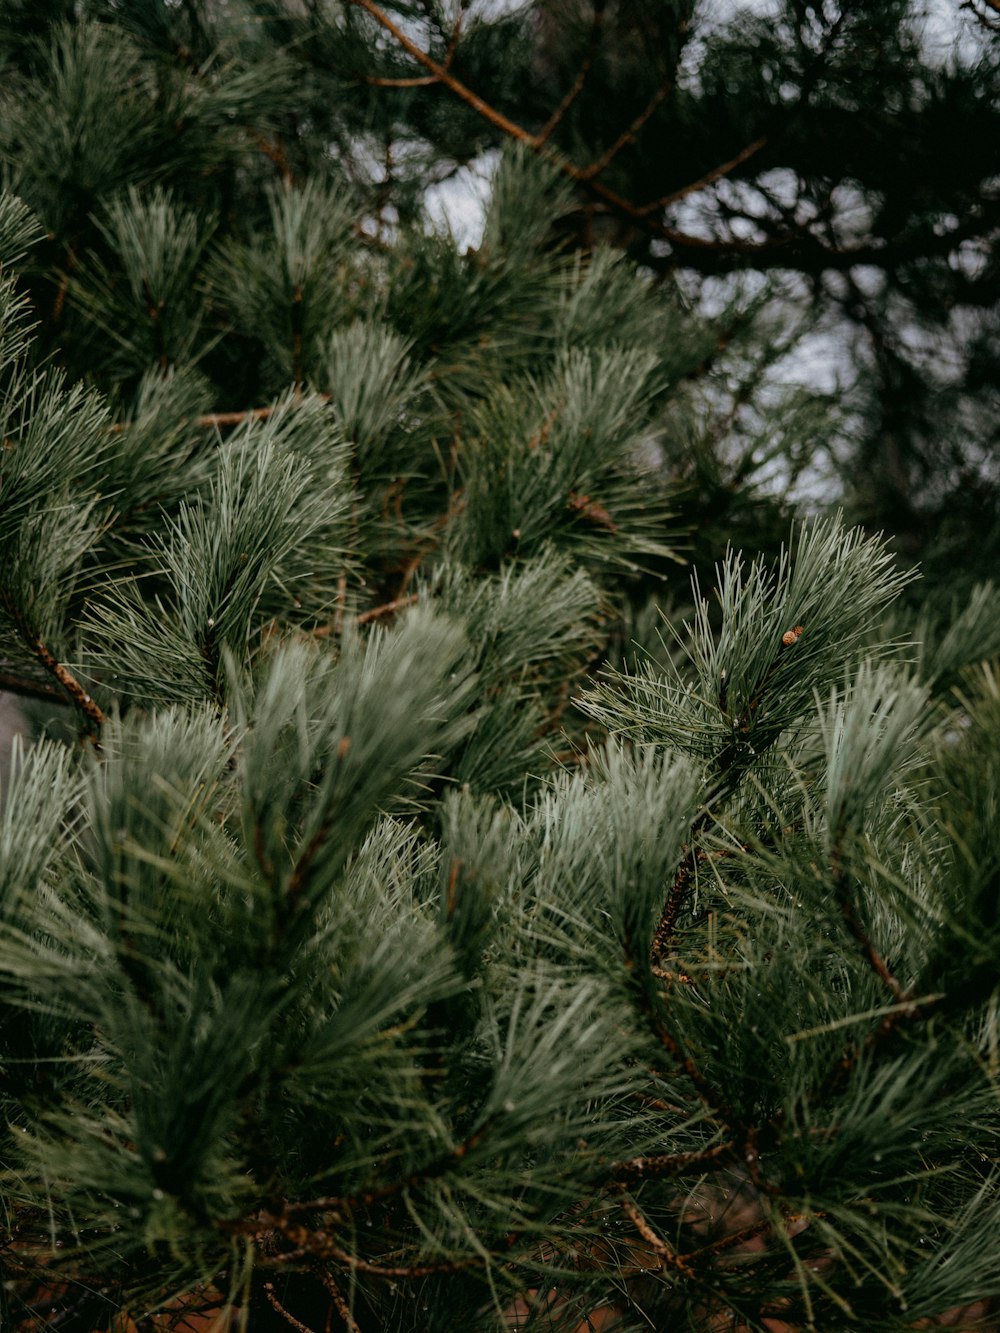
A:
403, 925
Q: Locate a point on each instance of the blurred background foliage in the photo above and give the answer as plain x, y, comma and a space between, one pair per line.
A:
818, 183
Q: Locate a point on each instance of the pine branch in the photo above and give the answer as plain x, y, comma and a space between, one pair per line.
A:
800, 250
675, 898
276, 152
62, 675
442, 75
517, 132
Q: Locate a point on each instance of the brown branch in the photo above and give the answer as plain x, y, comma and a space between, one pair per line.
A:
456, 29
31, 689
991, 25
350, 1202
424, 80
740, 1237
456, 503
339, 1303
451, 899
709, 178
907, 1010
802, 250
365, 617
64, 280
321, 1246
680, 977
592, 510
657, 1103
667, 1256
55, 668
285, 1314
878, 963
387, 609
513, 130
420, 81
626, 137
214, 419
672, 1164
577, 87
679, 888
338, 615
674, 903
442, 75
907, 1007
709, 1096
219, 419
260, 852
276, 152
303, 866
691, 245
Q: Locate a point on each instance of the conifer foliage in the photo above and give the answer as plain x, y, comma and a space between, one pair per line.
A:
386, 941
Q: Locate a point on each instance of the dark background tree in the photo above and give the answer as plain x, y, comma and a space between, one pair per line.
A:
843, 157
852, 149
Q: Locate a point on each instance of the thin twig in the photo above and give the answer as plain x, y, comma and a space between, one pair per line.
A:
577, 87
672, 1164
276, 152
456, 503
349, 1203
518, 132
858, 932
673, 1048
285, 1314
387, 609
419, 81
339, 1302
219, 419
674, 903
627, 136
320, 1245
364, 617
55, 668
724, 764
709, 178
423, 80
735, 1238
668, 1257
64, 281
592, 510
